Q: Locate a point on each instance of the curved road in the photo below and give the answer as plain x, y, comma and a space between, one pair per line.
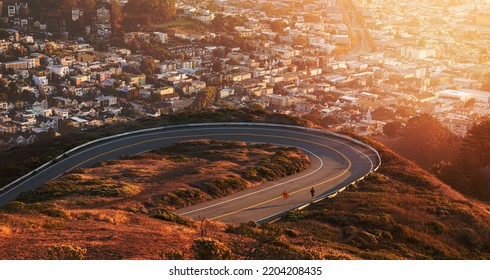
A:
335, 163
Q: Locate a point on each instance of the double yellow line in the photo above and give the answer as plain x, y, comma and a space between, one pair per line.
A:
349, 163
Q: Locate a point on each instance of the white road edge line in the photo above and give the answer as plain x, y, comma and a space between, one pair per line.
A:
262, 190
184, 130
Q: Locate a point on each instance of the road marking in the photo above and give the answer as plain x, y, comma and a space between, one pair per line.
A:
294, 192
259, 191
326, 137
202, 135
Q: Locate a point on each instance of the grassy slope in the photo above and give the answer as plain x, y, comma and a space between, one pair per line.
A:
120, 209
401, 212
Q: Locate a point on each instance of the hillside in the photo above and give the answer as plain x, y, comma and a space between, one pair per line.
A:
111, 209
401, 212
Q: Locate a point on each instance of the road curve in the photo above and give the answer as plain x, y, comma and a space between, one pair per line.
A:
335, 163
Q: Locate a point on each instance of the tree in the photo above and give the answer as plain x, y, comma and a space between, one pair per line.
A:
217, 66
204, 99
278, 26
470, 103
405, 112
256, 106
391, 129
279, 89
312, 18
268, 8
140, 14
148, 66
383, 114
477, 143
426, 141
27, 95
300, 40
219, 53
68, 5
66, 252
89, 5
116, 16
4, 34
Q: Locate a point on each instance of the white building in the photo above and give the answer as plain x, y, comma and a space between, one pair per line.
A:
40, 80
108, 100
226, 92
417, 53
161, 37
59, 70
205, 17
62, 113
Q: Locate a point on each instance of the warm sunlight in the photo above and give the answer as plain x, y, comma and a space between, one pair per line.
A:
245, 130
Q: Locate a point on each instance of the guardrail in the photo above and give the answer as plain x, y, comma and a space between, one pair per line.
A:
314, 130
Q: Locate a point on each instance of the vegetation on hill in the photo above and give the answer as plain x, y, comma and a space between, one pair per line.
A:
400, 212
114, 200
461, 163
108, 211
467, 174
135, 15
140, 14
426, 141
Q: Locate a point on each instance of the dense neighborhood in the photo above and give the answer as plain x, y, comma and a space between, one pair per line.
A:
351, 65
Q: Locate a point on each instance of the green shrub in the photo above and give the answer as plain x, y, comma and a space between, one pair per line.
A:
75, 185
49, 209
113, 190
223, 187
172, 254
66, 252
181, 198
53, 224
211, 249
167, 215
277, 166
137, 210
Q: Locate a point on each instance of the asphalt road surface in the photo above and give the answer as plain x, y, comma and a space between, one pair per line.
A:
335, 163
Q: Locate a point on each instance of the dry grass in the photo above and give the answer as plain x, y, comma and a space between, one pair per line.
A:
110, 210
5, 231
401, 212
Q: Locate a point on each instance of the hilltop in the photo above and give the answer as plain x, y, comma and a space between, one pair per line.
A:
400, 212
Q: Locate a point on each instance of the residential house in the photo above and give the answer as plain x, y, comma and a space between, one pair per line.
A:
62, 113
137, 80
78, 80
15, 65
59, 70
40, 80
164, 93
105, 101
281, 101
